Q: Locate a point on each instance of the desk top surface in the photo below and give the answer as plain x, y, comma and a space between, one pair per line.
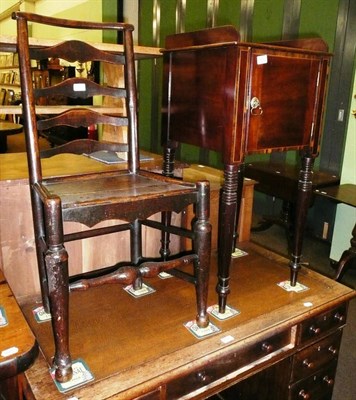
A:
134, 345
18, 347
13, 166
10, 127
8, 44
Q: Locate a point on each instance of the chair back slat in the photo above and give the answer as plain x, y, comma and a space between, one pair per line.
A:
78, 90
75, 50
80, 117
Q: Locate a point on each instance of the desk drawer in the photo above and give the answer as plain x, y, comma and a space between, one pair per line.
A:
317, 386
314, 357
219, 368
155, 395
321, 324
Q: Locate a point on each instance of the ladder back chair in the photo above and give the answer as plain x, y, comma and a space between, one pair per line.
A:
129, 195
240, 98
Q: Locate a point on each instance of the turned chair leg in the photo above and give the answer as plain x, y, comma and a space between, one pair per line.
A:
202, 246
56, 259
40, 232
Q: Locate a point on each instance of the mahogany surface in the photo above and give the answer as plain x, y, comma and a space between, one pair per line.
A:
129, 196
241, 98
15, 335
159, 356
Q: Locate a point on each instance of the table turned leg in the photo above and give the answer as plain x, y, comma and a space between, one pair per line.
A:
347, 257
303, 202
229, 205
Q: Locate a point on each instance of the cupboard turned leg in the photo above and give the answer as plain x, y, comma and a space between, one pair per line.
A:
303, 202
202, 246
227, 218
239, 190
166, 216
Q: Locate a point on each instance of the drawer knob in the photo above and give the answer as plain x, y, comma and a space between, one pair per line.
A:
329, 381
332, 350
308, 364
304, 395
339, 317
314, 330
202, 377
267, 347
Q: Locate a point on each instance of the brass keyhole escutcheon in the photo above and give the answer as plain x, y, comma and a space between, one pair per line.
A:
255, 106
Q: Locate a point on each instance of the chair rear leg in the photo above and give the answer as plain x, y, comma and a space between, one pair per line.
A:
202, 246
136, 249
166, 218
56, 259
39, 228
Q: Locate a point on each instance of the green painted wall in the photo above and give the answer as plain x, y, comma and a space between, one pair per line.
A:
267, 20
267, 23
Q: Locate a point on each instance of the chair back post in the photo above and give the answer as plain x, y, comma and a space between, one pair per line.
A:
28, 106
131, 101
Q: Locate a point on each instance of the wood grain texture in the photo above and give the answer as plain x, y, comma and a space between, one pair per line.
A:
104, 336
15, 335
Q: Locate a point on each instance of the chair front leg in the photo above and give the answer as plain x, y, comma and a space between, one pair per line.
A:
56, 259
202, 246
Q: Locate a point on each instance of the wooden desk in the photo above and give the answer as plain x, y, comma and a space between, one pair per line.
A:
7, 128
345, 194
140, 348
15, 336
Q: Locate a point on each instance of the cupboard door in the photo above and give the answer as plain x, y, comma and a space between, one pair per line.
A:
282, 100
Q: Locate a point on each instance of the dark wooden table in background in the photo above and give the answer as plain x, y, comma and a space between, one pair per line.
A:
345, 194
7, 128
